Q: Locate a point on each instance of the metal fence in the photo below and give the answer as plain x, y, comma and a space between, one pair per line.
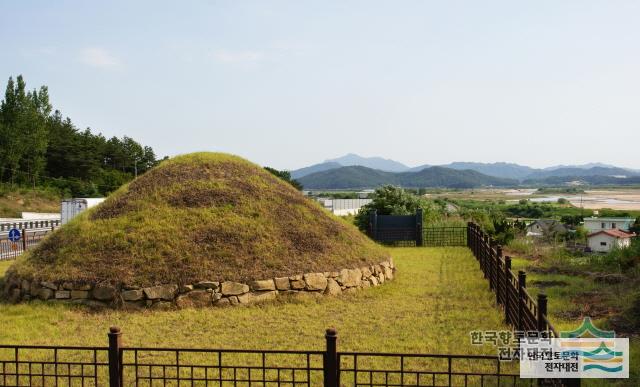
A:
520, 308
28, 239
444, 236
118, 365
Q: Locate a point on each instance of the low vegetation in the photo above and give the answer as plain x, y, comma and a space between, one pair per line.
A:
603, 287
436, 299
14, 201
203, 216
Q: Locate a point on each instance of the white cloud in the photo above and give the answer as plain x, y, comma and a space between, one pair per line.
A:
99, 57
239, 57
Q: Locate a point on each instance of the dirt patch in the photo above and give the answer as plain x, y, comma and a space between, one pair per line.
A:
547, 284
589, 304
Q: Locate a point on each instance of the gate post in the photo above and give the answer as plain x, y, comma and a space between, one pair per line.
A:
522, 283
373, 224
115, 357
331, 372
419, 234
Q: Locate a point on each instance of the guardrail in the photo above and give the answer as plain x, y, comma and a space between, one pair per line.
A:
29, 224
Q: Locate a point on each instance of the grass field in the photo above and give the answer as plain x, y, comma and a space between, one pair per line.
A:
437, 298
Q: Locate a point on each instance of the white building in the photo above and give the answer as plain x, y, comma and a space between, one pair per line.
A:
343, 207
69, 208
604, 241
594, 224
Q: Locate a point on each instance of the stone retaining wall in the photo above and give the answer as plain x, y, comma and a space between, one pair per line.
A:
201, 294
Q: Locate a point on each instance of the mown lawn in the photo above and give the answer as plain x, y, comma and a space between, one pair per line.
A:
437, 298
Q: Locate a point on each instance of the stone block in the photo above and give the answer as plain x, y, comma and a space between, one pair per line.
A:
315, 281
262, 285
282, 283
234, 288
161, 292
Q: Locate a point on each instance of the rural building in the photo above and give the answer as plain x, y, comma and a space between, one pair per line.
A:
594, 224
604, 241
546, 227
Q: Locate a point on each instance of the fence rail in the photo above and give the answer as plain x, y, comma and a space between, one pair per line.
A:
29, 224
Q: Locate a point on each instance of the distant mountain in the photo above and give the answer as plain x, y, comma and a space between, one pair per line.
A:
358, 177
581, 166
370, 162
420, 168
298, 173
505, 170
499, 169
580, 172
584, 180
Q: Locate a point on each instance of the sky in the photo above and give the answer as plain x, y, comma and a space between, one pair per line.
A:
292, 83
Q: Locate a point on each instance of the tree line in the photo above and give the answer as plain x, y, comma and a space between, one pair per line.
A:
41, 148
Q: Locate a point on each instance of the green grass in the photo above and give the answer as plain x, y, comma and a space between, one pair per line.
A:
437, 298
202, 216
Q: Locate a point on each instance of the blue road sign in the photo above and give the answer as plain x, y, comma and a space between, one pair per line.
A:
14, 235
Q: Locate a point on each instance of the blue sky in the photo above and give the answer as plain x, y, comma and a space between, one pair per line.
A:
290, 83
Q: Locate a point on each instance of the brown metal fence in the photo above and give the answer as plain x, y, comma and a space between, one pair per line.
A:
117, 365
28, 239
520, 308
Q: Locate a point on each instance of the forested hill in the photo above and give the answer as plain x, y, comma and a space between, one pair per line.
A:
357, 177
41, 148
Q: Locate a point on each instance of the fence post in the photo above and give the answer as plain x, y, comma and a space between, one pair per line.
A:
542, 312
498, 273
507, 282
522, 283
115, 357
373, 224
24, 239
331, 372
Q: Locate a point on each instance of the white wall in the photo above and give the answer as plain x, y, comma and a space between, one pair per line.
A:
611, 242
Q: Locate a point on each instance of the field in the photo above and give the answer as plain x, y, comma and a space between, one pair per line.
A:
437, 298
621, 199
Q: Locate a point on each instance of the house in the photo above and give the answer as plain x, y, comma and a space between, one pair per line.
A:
594, 224
604, 241
546, 227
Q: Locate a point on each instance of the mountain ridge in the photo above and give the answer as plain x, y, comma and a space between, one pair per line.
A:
497, 169
359, 177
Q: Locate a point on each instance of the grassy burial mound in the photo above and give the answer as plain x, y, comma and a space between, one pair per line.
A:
199, 217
